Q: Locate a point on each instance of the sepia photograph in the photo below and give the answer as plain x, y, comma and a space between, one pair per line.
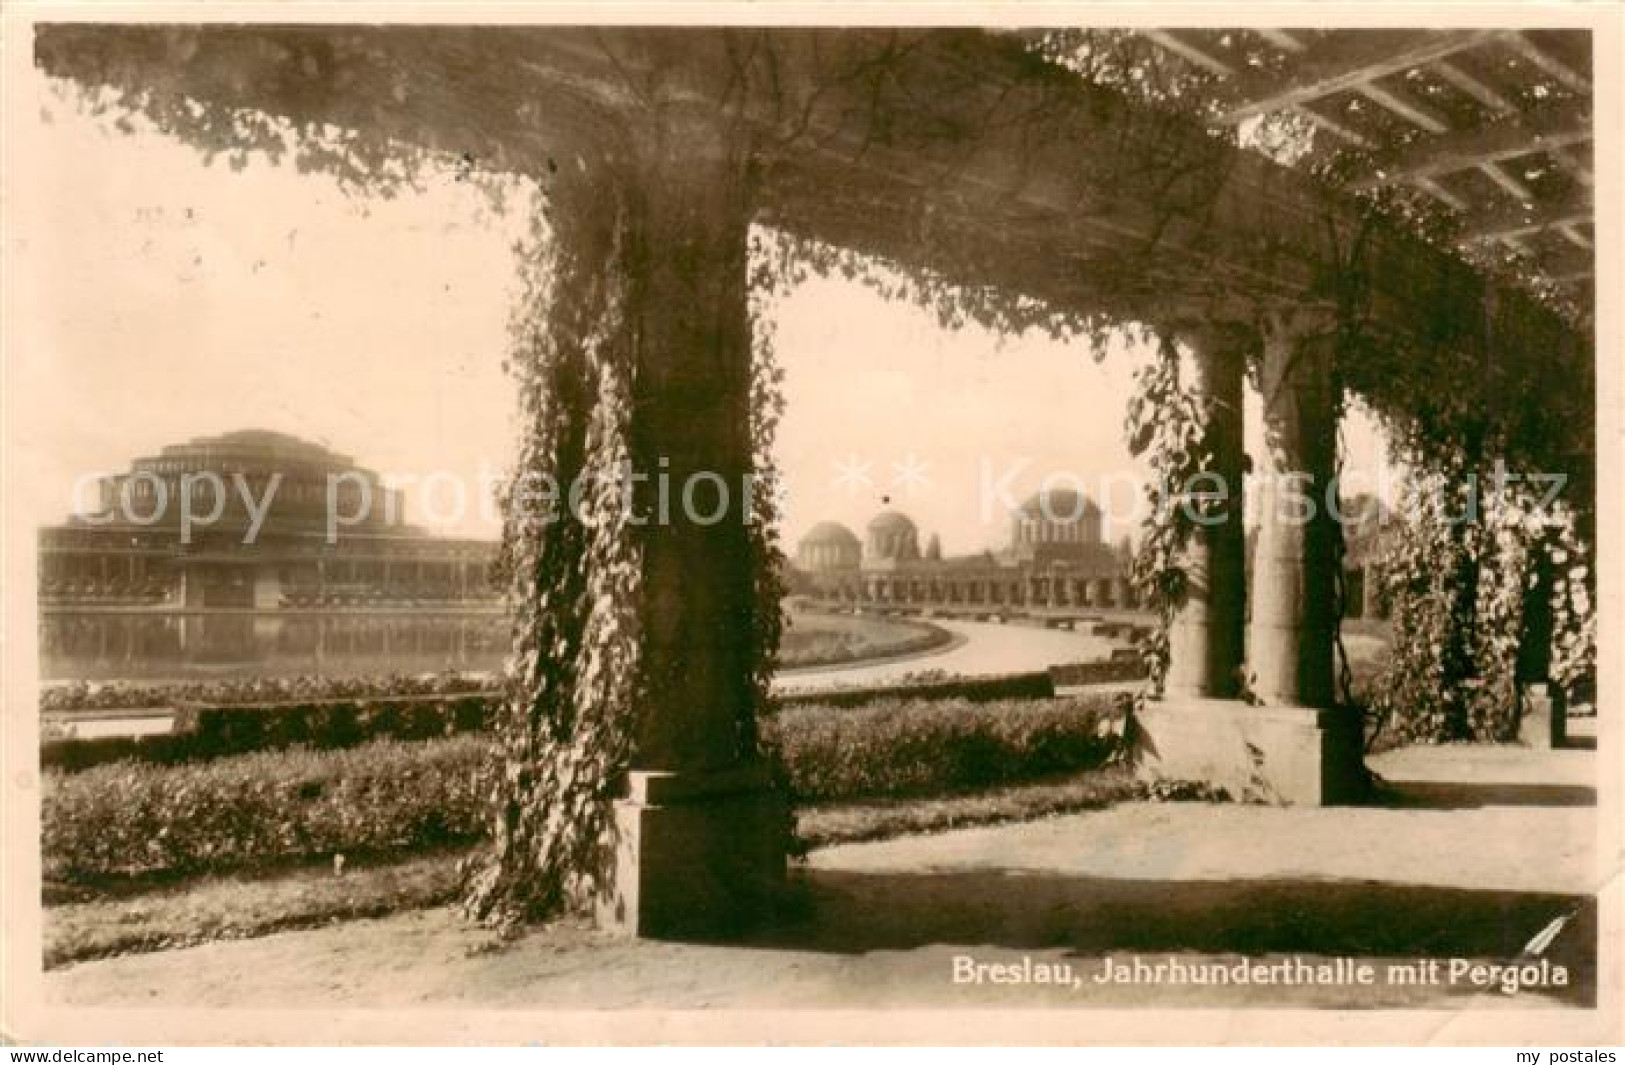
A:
802, 521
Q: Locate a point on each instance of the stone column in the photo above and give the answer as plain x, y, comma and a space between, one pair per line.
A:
1294, 748
701, 835
1209, 629
1294, 607
1370, 591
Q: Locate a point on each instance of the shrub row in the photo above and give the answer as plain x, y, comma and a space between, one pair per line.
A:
206, 732
929, 687
132, 817
393, 796
1113, 670
120, 695
900, 748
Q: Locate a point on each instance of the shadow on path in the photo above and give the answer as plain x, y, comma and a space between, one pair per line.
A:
852, 912
1454, 795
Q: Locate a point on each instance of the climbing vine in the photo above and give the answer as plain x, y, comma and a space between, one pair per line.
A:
1573, 603
1164, 424
1462, 566
573, 578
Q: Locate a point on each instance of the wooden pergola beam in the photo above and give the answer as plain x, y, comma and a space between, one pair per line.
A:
1189, 52
1528, 219
1282, 40
1339, 72
1442, 194
1509, 184
1572, 234
1481, 91
1577, 168
1331, 125
1547, 63
1411, 111
1468, 149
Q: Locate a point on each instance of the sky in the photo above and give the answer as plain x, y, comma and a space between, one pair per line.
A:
160, 298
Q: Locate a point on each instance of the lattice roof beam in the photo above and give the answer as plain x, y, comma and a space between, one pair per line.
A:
1442, 194
1509, 184
1282, 40
1572, 234
1340, 72
1331, 125
1486, 94
1467, 149
1579, 170
1548, 63
1529, 219
1213, 65
1410, 111
1190, 53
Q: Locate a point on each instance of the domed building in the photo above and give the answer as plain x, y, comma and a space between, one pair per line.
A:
892, 538
829, 547
1057, 564
252, 548
1059, 525
247, 462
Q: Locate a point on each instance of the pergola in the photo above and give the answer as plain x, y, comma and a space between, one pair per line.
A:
1494, 125
968, 157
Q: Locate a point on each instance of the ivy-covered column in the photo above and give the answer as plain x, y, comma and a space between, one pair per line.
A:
1294, 601
700, 834
1209, 624
1288, 745
642, 588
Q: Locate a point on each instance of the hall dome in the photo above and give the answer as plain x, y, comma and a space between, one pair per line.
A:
890, 520
892, 536
831, 533
298, 480
1060, 505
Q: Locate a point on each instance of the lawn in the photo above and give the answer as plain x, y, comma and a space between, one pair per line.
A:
815, 638
137, 916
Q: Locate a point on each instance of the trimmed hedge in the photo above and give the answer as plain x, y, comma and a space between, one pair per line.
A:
259, 691
204, 732
275, 805
965, 689
898, 749
1116, 669
394, 796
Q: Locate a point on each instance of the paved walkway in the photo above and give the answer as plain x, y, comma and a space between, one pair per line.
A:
982, 648
1479, 850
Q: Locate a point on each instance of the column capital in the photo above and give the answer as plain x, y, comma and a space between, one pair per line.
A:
1297, 322
1216, 335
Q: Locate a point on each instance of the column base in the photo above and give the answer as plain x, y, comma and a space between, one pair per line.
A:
1285, 755
1543, 718
695, 854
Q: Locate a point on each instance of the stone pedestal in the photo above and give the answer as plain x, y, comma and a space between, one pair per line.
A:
695, 855
1285, 755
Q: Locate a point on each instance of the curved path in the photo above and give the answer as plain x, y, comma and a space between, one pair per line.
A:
979, 648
